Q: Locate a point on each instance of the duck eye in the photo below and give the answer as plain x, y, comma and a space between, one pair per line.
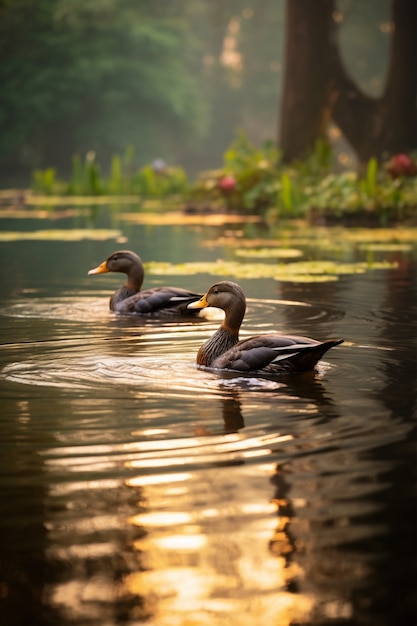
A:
216, 290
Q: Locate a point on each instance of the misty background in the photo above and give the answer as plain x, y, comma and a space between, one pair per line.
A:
173, 79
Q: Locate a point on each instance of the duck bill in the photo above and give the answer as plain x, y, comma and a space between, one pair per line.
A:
200, 304
101, 269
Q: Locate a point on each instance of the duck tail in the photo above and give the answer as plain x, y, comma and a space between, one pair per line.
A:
307, 357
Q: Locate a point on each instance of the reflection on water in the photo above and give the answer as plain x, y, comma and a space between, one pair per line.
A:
138, 489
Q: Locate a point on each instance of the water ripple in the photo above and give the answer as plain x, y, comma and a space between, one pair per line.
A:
111, 350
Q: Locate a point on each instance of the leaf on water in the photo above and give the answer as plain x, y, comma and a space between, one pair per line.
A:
62, 235
175, 218
319, 237
386, 247
308, 271
42, 214
271, 253
79, 200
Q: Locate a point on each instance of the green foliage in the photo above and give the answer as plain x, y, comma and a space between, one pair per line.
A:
264, 185
152, 183
319, 162
254, 172
243, 155
375, 195
86, 179
93, 182
286, 195
116, 179
44, 181
98, 74
252, 180
369, 184
76, 185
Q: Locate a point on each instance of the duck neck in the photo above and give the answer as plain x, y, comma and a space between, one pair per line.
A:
135, 277
225, 338
233, 318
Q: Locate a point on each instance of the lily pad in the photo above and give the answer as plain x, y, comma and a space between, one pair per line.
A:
320, 238
308, 271
177, 218
386, 247
269, 253
79, 200
62, 235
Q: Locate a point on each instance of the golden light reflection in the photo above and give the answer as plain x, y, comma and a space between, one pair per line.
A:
253, 454
215, 449
169, 518
183, 596
182, 542
151, 432
251, 508
158, 479
24, 408
212, 552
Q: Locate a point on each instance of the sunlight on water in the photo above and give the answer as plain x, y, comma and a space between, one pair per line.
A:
218, 559
173, 496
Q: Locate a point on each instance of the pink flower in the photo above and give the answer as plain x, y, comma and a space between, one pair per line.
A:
401, 165
227, 183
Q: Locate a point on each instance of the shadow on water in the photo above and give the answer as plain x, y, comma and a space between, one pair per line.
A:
139, 489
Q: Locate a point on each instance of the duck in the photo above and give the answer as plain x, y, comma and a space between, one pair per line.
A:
269, 353
157, 301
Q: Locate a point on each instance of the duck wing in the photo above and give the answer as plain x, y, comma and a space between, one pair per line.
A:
273, 353
164, 301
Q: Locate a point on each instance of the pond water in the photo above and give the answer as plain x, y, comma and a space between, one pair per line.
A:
137, 489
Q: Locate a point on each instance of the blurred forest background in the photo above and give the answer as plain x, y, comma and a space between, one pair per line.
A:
175, 79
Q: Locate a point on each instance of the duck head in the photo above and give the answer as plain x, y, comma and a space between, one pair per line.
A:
120, 261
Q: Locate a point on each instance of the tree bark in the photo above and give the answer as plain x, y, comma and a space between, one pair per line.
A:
306, 79
318, 88
388, 124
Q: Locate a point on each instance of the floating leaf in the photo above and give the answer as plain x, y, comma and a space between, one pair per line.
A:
377, 234
41, 214
62, 235
308, 271
386, 247
177, 218
273, 253
80, 200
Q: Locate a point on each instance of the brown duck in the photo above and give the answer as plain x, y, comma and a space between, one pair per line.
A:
269, 353
157, 301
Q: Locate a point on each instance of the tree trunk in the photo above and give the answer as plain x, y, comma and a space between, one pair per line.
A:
317, 86
304, 113
388, 124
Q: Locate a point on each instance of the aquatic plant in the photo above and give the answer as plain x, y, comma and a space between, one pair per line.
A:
247, 182
154, 180
254, 180
44, 181
401, 165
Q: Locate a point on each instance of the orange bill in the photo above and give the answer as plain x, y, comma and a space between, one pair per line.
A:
101, 269
200, 304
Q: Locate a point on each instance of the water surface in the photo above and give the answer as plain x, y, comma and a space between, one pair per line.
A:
137, 489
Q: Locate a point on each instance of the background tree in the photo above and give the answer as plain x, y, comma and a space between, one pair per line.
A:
80, 75
318, 87
178, 79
